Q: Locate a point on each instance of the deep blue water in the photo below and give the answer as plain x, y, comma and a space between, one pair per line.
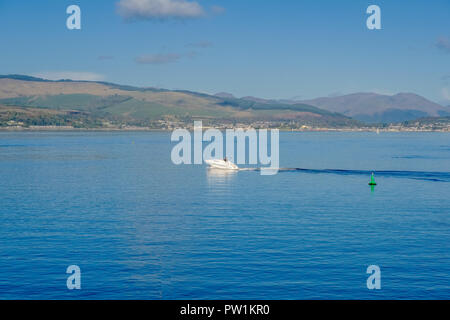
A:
140, 227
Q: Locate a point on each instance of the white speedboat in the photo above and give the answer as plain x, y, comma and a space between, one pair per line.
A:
222, 164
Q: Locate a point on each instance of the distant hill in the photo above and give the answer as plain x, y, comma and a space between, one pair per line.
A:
93, 103
224, 95
258, 100
372, 107
22, 77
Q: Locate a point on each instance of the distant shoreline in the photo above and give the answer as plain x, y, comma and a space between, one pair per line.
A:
147, 129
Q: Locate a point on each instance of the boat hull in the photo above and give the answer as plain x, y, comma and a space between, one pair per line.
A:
221, 164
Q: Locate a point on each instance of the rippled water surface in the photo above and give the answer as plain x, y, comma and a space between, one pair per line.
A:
140, 227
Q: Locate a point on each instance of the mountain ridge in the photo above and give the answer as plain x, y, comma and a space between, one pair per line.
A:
373, 107
100, 102
155, 103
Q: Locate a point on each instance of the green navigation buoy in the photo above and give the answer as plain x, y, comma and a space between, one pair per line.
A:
372, 181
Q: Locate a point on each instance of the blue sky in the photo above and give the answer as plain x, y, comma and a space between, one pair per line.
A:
264, 48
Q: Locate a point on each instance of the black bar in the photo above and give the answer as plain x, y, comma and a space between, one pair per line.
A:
224, 309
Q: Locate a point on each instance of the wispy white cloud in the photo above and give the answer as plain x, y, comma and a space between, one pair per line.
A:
157, 58
443, 44
69, 75
191, 54
159, 9
217, 9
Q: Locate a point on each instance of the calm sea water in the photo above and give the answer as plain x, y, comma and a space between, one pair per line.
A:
140, 227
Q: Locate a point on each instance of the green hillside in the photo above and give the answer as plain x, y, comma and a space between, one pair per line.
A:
98, 103
66, 101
